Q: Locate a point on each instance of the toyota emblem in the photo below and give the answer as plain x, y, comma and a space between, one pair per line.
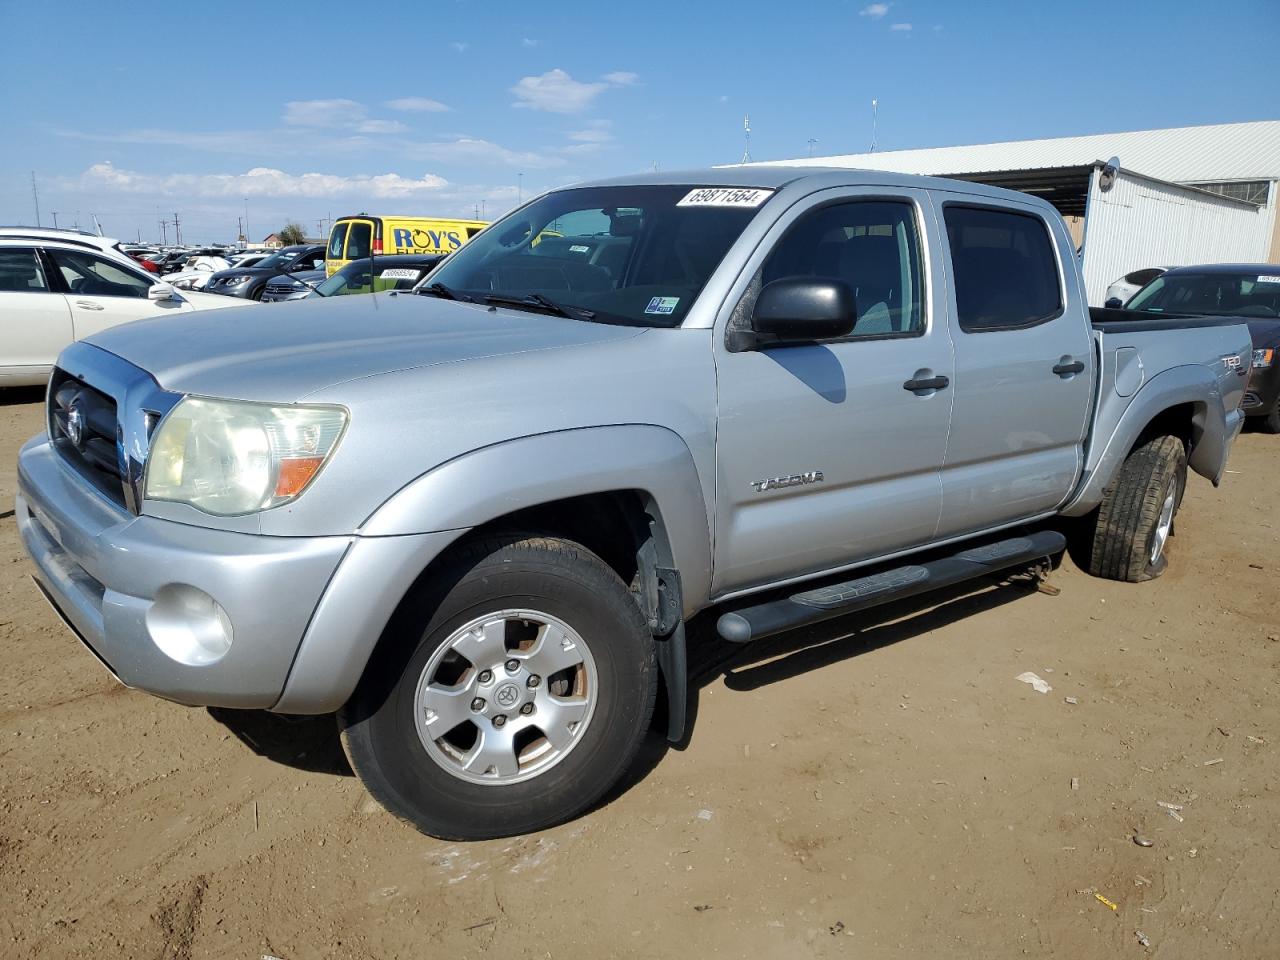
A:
75, 425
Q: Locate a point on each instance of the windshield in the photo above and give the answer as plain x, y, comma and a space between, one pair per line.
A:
1219, 294
354, 278
629, 254
278, 261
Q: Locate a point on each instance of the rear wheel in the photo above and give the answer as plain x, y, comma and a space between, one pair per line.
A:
510, 694
1135, 519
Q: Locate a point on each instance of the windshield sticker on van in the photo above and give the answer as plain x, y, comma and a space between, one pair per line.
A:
579, 248
725, 197
400, 273
662, 305
1269, 279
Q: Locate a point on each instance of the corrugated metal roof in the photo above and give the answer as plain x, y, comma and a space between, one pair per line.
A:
1221, 151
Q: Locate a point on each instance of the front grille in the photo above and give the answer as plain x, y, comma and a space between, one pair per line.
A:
279, 290
83, 426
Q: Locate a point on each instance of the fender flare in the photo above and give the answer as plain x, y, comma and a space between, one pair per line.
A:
1212, 431
485, 484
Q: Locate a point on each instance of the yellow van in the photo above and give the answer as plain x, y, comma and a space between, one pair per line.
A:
353, 237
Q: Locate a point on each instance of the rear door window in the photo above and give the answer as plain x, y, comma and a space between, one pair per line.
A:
359, 239
20, 271
1003, 267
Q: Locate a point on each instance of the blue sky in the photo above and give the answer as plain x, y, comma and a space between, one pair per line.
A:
318, 109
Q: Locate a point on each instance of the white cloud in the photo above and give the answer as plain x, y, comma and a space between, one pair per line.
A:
902, 27
875, 11
724, 98
459, 46
472, 151
332, 114
555, 92
257, 182
528, 43
622, 78
417, 105
597, 132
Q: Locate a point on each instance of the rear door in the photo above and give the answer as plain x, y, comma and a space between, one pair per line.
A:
35, 322
1023, 365
826, 455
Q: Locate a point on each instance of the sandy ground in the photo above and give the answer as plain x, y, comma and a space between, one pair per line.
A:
884, 788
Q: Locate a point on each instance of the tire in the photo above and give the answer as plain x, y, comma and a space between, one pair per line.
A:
552, 601
257, 292
1271, 422
1136, 516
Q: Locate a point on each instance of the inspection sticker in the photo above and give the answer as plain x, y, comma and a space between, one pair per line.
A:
400, 273
579, 248
662, 305
725, 197
1269, 279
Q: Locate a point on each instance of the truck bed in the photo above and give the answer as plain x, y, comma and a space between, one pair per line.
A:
1109, 320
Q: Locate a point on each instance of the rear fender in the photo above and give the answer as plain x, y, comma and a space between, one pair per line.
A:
1210, 434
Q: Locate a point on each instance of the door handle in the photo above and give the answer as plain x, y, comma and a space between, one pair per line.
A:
88, 305
1066, 368
926, 383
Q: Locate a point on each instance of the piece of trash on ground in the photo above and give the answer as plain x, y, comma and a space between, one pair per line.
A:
1142, 841
704, 814
1176, 815
1142, 938
1210, 763
1075, 783
1036, 683
1168, 806
1139, 880
1071, 700
1104, 901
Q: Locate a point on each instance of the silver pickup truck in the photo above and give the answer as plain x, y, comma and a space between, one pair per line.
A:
474, 519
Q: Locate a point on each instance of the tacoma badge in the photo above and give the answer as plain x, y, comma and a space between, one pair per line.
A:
794, 480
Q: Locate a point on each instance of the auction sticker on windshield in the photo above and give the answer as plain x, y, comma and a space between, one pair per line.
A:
1267, 278
725, 197
400, 273
662, 305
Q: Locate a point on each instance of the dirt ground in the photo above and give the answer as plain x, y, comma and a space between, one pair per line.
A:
882, 788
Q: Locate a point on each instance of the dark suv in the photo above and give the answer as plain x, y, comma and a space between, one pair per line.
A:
250, 282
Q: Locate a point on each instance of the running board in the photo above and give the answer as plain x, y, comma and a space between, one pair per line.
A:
837, 599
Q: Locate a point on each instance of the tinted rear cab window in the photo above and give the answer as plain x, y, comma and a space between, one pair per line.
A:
1004, 268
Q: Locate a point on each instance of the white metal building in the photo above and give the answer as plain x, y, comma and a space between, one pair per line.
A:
1182, 195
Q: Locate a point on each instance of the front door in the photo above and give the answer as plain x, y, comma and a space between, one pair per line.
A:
830, 453
103, 293
1024, 367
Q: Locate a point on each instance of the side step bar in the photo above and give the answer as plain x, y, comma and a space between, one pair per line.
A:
838, 599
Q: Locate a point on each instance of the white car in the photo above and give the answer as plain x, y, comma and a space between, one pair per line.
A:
54, 290
195, 277
1131, 283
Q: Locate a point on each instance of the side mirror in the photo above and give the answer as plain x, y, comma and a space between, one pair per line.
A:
162, 291
1113, 303
802, 310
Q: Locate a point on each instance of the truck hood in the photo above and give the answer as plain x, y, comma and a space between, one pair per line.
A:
1265, 333
282, 352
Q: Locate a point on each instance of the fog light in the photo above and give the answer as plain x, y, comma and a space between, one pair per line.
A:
189, 625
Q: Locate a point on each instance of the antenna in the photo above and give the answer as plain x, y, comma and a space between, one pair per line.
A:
97, 223
519, 188
35, 195
746, 138
875, 107
812, 141
55, 219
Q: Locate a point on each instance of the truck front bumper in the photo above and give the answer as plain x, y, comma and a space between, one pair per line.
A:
210, 617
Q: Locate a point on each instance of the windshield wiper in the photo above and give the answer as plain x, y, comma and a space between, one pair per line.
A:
438, 289
545, 303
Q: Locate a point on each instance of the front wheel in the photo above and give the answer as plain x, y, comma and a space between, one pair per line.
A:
508, 695
1135, 519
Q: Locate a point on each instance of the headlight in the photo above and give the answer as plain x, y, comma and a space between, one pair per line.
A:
1262, 358
236, 281
184, 284
232, 457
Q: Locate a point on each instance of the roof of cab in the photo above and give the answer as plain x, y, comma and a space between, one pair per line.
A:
1265, 269
778, 177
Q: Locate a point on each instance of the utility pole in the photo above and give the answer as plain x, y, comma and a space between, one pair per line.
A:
246, 219
177, 229
35, 195
746, 138
812, 141
164, 232
55, 219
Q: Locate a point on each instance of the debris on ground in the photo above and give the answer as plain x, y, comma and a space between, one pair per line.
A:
702, 907
704, 814
1168, 806
1036, 683
1210, 763
1105, 902
1142, 841
1175, 814
1071, 700
1075, 783
1142, 938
